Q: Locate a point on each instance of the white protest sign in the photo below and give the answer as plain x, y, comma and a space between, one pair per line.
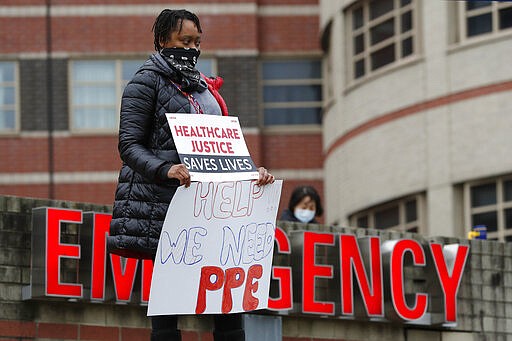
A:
215, 249
212, 147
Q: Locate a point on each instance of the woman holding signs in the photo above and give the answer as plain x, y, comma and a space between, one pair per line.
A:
168, 82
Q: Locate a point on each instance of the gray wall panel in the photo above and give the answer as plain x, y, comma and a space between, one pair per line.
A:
240, 89
33, 94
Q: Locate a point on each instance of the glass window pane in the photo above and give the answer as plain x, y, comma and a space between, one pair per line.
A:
406, 22
410, 211
358, 44
405, 2
508, 238
104, 118
489, 219
292, 69
483, 195
357, 18
362, 221
94, 71
505, 18
507, 189
382, 31
387, 218
477, 4
292, 93
129, 68
359, 69
508, 218
407, 47
7, 95
479, 24
205, 65
380, 7
6, 72
94, 95
383, 57
7, 119
292, 116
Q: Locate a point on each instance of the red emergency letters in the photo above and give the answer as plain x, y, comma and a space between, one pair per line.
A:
365, 266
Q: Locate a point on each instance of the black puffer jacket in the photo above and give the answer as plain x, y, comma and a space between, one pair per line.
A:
148, 151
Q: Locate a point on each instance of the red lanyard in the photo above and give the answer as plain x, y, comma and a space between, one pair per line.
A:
191, 99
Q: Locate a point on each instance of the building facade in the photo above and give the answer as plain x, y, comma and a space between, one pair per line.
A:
417, 115
64, 64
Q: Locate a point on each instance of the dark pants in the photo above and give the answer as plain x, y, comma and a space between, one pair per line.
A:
226, 328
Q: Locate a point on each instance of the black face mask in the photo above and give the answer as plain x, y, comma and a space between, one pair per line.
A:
183, 62
182, 54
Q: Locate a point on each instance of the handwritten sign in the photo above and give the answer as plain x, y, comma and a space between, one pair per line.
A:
215, 250
212, 147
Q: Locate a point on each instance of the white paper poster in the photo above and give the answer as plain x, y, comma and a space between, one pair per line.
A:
212, 147
215, 250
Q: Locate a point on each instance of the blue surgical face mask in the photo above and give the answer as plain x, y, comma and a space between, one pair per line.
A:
304, 216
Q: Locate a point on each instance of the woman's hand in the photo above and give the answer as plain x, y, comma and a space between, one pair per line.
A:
265, 177
181, 173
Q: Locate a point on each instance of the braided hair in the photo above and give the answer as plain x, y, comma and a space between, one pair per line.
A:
170, 21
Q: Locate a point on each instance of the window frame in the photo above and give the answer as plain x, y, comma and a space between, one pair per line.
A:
464, 15
403, 225
396, 39
283, 82
500, 206
17, 99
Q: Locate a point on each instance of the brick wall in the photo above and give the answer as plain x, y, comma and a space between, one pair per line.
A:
85, 165
484, 303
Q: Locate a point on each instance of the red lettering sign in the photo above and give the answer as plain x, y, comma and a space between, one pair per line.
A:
365, 261
351, 258
147, 273
55, 250
397, 280
450, 283
123, 270
283, 274
310, 271
99, 260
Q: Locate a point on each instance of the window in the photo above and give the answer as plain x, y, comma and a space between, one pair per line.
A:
97, 87
405, 214
292, 92
8, 102
489, 203
484, 17
206, 66
381, 32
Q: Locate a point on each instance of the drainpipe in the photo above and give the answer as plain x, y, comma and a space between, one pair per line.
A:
49, 100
